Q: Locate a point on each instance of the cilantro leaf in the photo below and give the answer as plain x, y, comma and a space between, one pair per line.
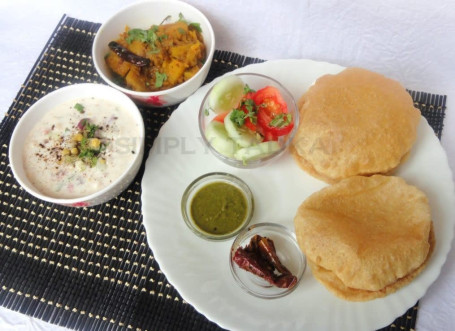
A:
196, 26
79, 108
160, 78
281, 120
90, 129
247, 89
146, 36
136, 34
250, 107
238, 117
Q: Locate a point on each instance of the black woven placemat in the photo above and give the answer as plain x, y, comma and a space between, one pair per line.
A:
91, 268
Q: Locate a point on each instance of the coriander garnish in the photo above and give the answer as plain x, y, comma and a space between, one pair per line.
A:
79, 108
146, 36
247, 89
238, 117
281, 120
160, 78
86, 146
248, 110
196, 26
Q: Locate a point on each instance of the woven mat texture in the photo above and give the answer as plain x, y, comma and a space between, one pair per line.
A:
91, 268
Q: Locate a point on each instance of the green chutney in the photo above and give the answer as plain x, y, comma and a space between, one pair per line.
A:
219, 208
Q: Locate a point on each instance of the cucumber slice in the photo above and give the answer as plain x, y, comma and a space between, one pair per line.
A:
257, 151
226, 94
217, 136
242, 136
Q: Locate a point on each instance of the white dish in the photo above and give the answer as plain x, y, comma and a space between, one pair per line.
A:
56, 98
199, 270
144, 14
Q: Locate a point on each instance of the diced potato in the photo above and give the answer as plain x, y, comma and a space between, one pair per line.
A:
194, 53
156, 57
179, 52
190, 72
135, 81
138, 48
176, 30
174, 71
117, 65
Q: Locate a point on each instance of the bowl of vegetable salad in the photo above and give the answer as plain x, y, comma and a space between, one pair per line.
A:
248, 119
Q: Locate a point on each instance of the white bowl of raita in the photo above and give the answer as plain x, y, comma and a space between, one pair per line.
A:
78, 146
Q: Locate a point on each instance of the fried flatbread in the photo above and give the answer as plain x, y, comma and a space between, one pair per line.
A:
357, 122
336, 286
365, 236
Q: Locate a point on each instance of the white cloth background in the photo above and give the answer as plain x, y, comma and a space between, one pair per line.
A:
409, 40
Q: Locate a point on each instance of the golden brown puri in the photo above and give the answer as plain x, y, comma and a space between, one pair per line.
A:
356, 122
365, 234
336, 286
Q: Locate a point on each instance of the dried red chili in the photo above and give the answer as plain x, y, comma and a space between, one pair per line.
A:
259, 257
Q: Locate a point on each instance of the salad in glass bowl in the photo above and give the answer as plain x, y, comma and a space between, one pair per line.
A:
248, 119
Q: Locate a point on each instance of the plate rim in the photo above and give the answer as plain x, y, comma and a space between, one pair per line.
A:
258, 67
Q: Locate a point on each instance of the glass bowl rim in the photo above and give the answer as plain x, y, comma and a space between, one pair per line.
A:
290, 236
214, 177
255, 163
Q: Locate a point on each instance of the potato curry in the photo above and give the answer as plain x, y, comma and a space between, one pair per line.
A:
157, 58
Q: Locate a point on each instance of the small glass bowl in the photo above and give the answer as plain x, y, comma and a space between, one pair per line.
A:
255, 82
287, 250
204, 180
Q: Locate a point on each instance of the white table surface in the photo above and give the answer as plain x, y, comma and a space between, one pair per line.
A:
409, 40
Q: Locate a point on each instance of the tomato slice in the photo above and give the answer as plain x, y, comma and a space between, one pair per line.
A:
248, 123
267, 134
272, 108
220, 117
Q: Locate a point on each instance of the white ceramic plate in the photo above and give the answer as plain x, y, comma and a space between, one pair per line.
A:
199, 269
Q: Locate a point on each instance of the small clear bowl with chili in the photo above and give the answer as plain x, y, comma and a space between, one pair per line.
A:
217, 206
266, 260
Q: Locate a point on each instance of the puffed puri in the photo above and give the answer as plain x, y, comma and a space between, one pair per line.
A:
366, 237
356, 122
